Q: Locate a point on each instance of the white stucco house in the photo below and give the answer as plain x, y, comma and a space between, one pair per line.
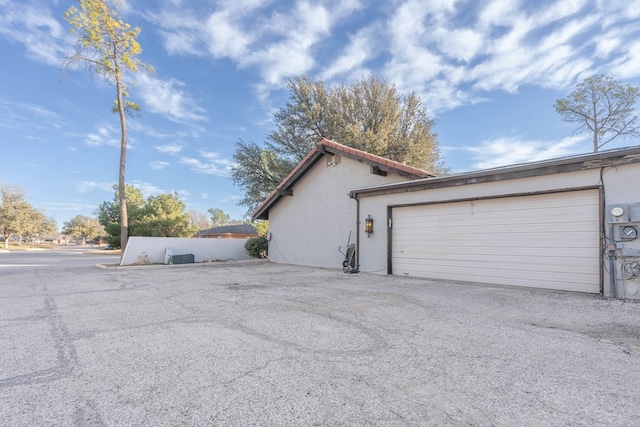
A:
568, 224
311, 214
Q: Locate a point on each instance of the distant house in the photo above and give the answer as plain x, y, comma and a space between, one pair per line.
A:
240, 231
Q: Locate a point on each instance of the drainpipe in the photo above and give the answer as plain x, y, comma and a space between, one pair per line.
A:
357, 254
612, 264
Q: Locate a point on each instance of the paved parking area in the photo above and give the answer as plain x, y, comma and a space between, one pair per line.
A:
264, 344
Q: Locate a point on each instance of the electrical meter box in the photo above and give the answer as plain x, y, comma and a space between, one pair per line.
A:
628, 232
618, 213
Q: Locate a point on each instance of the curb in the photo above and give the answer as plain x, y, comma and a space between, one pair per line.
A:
214, 264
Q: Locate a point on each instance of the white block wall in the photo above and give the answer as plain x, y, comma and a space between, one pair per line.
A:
202, 249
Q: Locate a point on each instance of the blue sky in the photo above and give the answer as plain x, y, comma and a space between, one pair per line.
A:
489, 72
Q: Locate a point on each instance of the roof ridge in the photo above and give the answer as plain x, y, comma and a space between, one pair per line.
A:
374, 157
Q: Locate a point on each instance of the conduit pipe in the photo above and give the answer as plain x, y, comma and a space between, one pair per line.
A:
357, 254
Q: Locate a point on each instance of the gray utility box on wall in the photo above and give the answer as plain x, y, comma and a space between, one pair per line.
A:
634, 212
182, 259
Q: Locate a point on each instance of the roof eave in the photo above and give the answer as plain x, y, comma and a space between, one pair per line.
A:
544, 167
262, 212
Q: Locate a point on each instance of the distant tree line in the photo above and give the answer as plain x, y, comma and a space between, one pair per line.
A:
19, 218
83, 228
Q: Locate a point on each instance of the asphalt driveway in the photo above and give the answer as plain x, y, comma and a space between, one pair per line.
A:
265, 344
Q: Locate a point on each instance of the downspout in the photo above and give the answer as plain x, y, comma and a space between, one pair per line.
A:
612, 264
357, 254
612, 242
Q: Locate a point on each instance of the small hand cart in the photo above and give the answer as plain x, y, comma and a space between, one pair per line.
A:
349, 252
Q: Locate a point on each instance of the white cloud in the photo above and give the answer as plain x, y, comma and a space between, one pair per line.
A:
158, 165
181, 31
607, 45
628, 66
513, 150
452, 52
147, 188
104, 135
165, 97
28, 117
86, 186
290, 52
498, 13
361, 48
211, 163
169, 148
279, 41
460, 44
152, 132
227, 38
33, 25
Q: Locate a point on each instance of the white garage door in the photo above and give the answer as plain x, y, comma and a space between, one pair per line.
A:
544, 241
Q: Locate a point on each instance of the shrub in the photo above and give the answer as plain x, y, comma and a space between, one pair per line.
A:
257, 247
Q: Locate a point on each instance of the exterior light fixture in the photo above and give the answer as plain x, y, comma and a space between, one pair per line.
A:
368, 225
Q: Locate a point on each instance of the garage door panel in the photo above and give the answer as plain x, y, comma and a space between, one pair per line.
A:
499, 225
533, 264
547, 241
496, 240
499, 246
563, 281
538, 259
500, 208
516, 275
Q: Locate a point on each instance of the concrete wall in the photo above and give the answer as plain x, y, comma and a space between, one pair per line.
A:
202, 249
308, 227
620, 185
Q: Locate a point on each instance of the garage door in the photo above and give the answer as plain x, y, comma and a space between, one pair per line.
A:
544, 241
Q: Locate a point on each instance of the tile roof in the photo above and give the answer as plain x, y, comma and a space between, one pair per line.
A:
332, 147
419, 173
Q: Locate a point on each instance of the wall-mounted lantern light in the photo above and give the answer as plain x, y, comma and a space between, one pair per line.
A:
368, 225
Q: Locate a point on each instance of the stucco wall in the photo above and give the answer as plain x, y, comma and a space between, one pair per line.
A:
202, 249
620, 186
308, 227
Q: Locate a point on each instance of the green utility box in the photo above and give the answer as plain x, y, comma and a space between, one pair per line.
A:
182, 259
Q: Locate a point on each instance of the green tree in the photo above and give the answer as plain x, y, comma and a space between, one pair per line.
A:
164, 216
18, 217
82, 227
157, 216
602, 106
39, 226
262, 227
369, 115
258, 172
108, 47
218, 217
109, 213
